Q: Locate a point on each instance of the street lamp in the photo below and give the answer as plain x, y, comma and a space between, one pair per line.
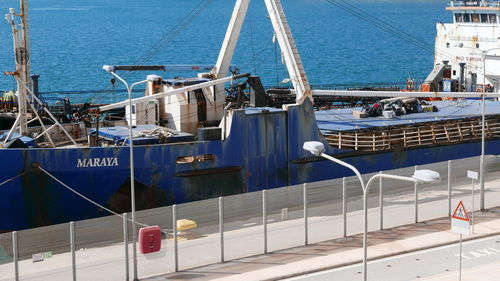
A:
150, 78
483, 134
420, 176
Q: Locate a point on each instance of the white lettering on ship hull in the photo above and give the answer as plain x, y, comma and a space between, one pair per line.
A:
97, 162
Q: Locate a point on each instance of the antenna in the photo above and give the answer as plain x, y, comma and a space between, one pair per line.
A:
22, 74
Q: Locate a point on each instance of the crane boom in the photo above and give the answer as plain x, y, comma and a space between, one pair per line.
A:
289, 49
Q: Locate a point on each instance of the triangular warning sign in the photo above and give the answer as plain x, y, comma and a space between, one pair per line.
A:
460, 212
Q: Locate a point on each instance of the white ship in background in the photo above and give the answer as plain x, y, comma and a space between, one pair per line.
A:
462, 45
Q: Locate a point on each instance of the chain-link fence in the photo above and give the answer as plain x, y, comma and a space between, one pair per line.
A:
233, 227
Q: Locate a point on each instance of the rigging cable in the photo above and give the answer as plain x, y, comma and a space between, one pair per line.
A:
344, 5
166, 39
378, 23
252, 42
276, 59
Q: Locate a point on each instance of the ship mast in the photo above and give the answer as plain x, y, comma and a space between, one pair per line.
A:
22, 59
25, 44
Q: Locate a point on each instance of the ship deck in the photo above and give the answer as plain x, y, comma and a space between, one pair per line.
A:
455, 122
342, 120
143, 134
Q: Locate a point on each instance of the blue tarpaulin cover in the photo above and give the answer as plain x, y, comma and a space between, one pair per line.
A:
342, 119
120, 134
27, 140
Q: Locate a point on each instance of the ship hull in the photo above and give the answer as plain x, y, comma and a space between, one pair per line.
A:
262, 151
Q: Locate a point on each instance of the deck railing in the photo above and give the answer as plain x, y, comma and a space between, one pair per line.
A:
414, 136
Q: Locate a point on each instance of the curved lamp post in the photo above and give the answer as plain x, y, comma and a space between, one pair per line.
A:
150, 78
420, 176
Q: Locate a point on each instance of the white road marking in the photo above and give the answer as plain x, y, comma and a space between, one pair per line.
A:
402, 256
490, 251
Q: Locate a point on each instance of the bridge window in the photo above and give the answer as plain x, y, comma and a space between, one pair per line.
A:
466, 17
475, 18
484, 18
493, 18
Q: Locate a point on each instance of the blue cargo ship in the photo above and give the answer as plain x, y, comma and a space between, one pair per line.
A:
190, 145
263, 151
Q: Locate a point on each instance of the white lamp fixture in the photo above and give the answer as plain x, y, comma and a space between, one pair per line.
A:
315, 147
426, 176
108, 68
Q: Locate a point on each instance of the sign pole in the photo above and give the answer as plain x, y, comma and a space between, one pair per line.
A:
472, 211
460, 258
460, 223
474, 176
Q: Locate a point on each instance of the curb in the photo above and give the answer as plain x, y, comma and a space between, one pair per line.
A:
324, 268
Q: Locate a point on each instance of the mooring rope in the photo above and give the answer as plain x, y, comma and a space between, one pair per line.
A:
11, 179
93, 202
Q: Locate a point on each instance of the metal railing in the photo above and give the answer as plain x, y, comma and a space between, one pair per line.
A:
231, 227
475, 3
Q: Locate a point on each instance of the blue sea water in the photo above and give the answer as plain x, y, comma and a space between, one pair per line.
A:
72, 39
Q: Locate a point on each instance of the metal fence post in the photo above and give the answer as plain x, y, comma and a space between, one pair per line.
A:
305, 216
221, 227
15, 255
73, 247
472, 211
174, 234
416, 198
482, 174
381, 201
449, 188
344, 206
264, 218
125, 243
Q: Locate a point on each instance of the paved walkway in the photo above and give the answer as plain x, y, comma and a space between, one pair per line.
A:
345, 251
